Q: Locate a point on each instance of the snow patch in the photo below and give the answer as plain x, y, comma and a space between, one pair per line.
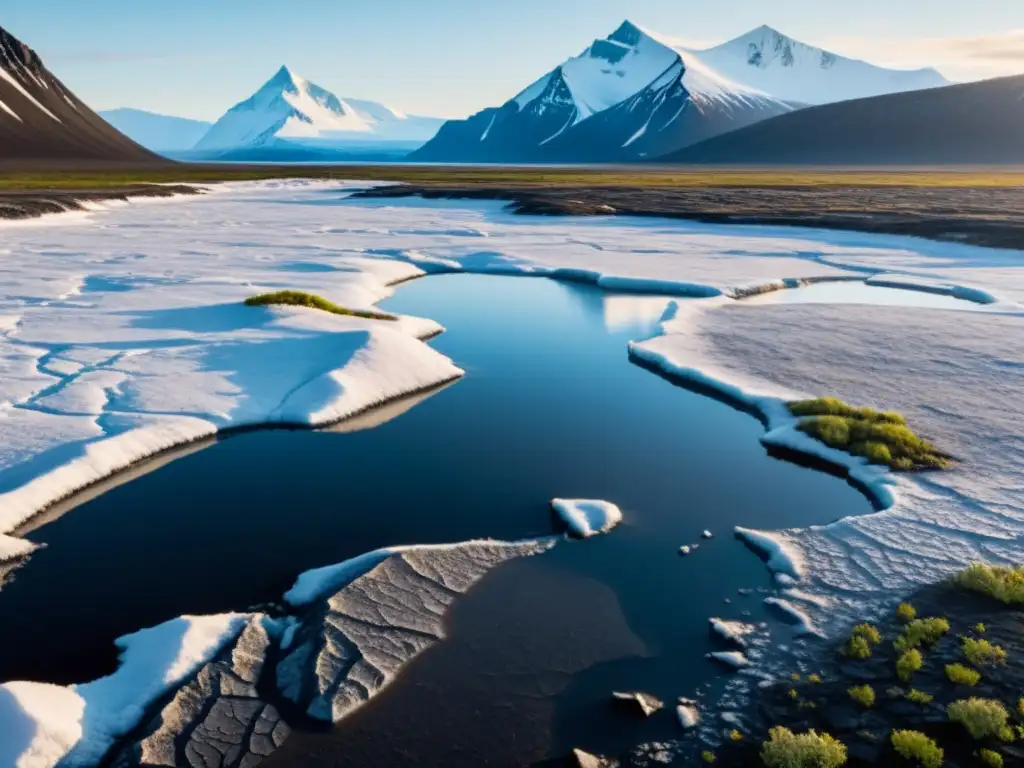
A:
587, 517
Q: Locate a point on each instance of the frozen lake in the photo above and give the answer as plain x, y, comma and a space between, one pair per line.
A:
550, 406
123, 334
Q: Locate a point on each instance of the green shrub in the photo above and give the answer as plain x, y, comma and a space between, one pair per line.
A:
920, 632
881, 438
919, 697
981, 652
910, 662
990, 757
862, 637
1001, 582
982, 718
303, 299
979, 628
708, 756
961, 675
906, 613
863, 695
814, 679
785, 749
914, 745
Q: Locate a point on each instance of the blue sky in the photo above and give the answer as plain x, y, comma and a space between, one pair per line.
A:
196, 58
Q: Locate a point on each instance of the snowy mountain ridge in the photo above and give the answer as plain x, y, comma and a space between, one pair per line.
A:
637, 94
290, 108
772, 62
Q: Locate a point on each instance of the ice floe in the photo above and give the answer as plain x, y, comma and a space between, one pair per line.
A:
587, 517
734, 659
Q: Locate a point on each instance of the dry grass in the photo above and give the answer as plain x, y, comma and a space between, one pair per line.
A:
544, 176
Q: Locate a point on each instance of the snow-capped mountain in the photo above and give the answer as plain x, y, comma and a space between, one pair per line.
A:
160, 133
788, 69
40, 119
627, 96
289, 108
637, 95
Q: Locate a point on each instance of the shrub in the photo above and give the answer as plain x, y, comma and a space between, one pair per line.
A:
303, 299
920, 632
863, 695
914, 745
793, 694
979, 628
990, 757
881, 438
735, 735
708, 756
906, 613
785, 749
814, 679
961, 675
1020, 707
1001, 582
981, 717
981, 652
919, 697
862, 637
909, 663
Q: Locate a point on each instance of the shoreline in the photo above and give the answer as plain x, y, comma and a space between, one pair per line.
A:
924, 213
22, 205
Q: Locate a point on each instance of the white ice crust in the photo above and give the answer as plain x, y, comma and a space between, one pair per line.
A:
587, 517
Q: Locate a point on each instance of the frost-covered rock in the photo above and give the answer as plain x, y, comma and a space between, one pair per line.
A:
41, 725
353, 644
587, 517
648, 704
217, 720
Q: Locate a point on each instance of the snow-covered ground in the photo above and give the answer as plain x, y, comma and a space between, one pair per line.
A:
122, 333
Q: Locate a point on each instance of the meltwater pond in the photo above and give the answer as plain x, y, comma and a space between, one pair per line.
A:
550, 407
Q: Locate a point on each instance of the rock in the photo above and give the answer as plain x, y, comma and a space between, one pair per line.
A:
217, 720
587, 760
686, 549
707, 535
351, 645
688, 715
648, 704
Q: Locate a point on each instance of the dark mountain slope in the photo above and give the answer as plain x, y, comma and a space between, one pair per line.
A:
41, 120
975, 123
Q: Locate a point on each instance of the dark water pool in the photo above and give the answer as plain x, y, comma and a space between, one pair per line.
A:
550, 407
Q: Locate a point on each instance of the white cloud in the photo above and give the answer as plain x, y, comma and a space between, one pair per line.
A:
959, 58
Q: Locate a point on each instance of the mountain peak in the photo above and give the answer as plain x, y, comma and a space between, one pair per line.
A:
285, 77
14, 53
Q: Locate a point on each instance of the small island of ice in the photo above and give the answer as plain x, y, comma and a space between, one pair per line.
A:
587, 517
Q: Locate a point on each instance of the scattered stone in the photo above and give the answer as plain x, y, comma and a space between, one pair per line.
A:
648, 704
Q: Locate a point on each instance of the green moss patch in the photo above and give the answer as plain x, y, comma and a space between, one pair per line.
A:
311, 300
881, 437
